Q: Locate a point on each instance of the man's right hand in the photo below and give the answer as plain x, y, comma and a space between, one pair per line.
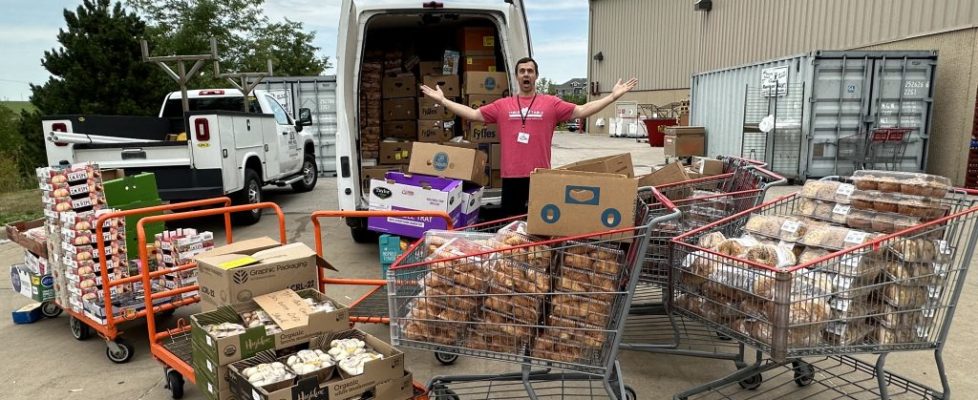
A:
436, 94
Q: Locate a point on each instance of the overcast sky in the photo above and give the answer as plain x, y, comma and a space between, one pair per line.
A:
558, 29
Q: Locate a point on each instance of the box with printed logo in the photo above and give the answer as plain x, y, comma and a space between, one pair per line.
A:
567, 203
449, 162
404, 85
471, 203
478, 132
492, 83
31, 285
436, 131
406, 192
429, 109
237, 272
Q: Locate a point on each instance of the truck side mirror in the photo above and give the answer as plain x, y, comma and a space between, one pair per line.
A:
305, 117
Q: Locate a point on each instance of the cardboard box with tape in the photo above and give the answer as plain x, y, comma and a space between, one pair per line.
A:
566, 203
449, 162
684, 141
395, 152
485, 63
478, 40
617, 164
449, 84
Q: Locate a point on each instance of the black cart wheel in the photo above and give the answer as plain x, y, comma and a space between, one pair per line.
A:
79, 330
752, 383
119, 352
446, 358
630, 393
174, 381
804, 373
439, 392
50, 309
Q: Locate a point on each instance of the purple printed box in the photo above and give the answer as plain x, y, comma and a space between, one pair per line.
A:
414, 192
471, 203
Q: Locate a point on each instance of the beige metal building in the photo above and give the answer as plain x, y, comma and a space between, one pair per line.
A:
664, 42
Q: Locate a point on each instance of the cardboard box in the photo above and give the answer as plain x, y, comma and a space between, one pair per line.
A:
413, 192
213, 380
620, 164
236, 273
478, 132
492, 83
304, 327
397, 389
404, 85
337, 384
684, 141
479, 100
707, 166
395, 152
464, 145
404, 129
429, 68
449, 84
670, 173
31, 285
566, 203
428, 109
496, 179
400, 109
472, 63
378, 172
436, 131
495, 153
449, 162
17, 233
478, 40
471, 204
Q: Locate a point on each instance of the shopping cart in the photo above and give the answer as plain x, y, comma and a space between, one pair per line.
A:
172, 346
82, 325
553, 304
651, 325
886, 148
894, 292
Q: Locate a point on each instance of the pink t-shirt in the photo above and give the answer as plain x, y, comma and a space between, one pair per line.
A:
521, 154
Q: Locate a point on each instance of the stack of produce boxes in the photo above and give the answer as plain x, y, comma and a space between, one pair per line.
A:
176, 248
32, 278
482, 84
370, 111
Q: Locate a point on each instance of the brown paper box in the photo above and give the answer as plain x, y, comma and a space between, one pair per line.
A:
684, 141
400, 109
406, 129
478, 40
428, 109
449, 162
435, 131
404, 85
479, 100
378, 172
473, 63
708, 166
398, 152
397, 389
449, 84
620, 164
237, 272
493, 83
566, 203
668, 174
478, 132
428, 68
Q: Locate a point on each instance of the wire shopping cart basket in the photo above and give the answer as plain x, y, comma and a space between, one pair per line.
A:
556, 303
651, 325
851, 292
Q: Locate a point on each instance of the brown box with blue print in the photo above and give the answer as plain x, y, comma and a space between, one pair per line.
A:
489, 83
449, 162
236, 273
567, 203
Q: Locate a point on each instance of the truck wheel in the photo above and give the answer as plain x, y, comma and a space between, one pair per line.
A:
251, 194
362, 235
310, 174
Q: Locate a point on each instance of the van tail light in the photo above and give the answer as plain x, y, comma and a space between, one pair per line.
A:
59, 127
202, 130
433, 4
212, 92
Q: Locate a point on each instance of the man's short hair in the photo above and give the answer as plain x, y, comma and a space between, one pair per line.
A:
526, 60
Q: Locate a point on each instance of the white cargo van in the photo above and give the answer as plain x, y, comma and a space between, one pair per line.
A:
422, 26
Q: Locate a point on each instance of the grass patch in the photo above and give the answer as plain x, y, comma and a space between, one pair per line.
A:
17, 106
20, 205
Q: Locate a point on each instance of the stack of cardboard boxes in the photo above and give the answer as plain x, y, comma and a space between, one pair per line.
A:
370, 111
483, 84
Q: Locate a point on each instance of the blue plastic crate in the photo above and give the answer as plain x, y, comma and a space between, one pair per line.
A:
28, 314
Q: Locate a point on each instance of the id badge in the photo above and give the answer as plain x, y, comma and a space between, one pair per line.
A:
523, 137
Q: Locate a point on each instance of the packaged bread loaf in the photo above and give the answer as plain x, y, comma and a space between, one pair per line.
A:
847, 333
904, 296
482, 338
833, 191
823, 210
549, 348
785, 228
581, 308
923, 208
593, 258
836, 238
911, 183
918, 250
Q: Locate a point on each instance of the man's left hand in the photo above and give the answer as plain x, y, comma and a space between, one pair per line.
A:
621, 88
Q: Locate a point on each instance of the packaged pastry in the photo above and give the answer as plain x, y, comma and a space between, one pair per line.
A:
912, 274
811, 254
711, 240
442, 277
896, 318
852, 265
460, 254
580, 332
436, 238
448, 333
785, 228
884, 335
822, 210
902, 182
593, 258
833, 191
426, 309
514, 234
448, 294
904, 296
918, 250
757, 308
923, 208
524, 308
733, 282
837, 238
737, 247
518, 277
592, 311
549, 348
696, 268
771, 255
498, 322
847, 333
852, 309
480, 338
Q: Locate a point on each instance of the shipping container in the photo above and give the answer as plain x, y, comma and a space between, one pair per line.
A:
318, 94
822, 113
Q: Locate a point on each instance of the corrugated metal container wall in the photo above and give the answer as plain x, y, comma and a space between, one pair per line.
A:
675, 40
832, 105
318, 94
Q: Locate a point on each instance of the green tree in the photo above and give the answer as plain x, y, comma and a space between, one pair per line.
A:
99, 69
547, 86
244, 35
11, 160
578, 99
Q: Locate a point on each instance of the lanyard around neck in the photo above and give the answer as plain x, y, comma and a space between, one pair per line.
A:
523, 116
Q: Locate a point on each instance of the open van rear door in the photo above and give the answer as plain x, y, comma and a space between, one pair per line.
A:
348, 74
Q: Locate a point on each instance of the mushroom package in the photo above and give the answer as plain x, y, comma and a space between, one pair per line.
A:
350, 354
308, 361
267, 374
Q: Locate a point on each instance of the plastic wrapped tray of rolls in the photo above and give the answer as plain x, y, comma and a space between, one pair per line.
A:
853, 297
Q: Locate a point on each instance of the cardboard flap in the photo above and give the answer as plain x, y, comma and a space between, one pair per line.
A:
322, 263
286, 308
249, 246
668, 174
291, 250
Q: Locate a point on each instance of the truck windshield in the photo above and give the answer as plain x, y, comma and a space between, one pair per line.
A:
174, 109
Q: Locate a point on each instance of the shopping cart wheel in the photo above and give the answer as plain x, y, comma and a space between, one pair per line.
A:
118, 351
79, 330
439, 392
50, 309
174, 381
446, 358
630, 393
751, 383
804, 373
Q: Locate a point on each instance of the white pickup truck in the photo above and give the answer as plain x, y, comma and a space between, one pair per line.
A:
371, 26
214, 149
